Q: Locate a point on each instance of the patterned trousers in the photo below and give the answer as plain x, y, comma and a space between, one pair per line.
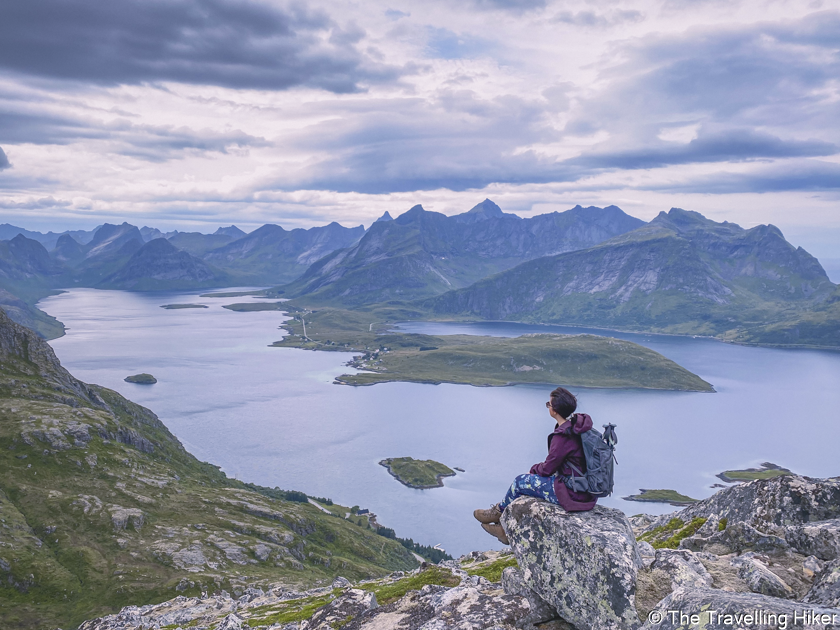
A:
530, 486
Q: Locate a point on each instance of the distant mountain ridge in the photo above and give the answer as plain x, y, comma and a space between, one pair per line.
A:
681, 273
420, 253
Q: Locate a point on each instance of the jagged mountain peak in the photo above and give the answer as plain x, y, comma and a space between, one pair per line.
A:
231, 230
385, 217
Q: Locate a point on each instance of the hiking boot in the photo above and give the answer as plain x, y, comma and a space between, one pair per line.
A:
493, 515
497, 531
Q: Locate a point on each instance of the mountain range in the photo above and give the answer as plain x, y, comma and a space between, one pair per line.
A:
421, 254
680, 273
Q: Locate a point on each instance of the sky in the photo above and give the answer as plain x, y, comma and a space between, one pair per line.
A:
190, 114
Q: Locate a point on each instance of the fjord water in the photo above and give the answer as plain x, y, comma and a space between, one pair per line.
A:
273, 417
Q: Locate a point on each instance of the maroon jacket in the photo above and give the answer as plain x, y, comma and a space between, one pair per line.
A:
564, 447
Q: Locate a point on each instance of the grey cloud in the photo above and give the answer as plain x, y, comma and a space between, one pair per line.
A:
806, 175
732, 146
146, 142
458, 142
515, 6
4, 161
598, 20
237, 44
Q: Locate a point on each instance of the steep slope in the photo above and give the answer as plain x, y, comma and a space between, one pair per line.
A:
272, 255
101, 506
26, 273
681, 273
110, 248
67, 250
159, 265
421, 254
199, 244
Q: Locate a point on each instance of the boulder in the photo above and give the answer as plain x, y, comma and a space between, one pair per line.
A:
736, 538
759, 578
682, 567
647, 553
582, 564
826, 587
723, 610
231, 622
513, 583
341, 610
820, 539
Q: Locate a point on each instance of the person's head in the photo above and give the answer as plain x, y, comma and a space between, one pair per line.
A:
562, 402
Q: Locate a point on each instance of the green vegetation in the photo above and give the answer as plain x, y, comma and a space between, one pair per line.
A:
249, 307
141, 379
417, 473
661, 496
722, 524
173, 307
574, 360
289, 611
668, 536
492, 570
768, 470
392, 591
102, 507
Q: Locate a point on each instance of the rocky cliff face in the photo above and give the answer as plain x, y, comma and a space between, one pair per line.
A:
421, 254
759, 555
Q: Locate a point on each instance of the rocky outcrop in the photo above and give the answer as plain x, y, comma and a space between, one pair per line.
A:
820, 539
826, 588
342, 610
583, 564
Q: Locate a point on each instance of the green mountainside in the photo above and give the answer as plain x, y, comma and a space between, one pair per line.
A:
680, 274
101, 507
422, 254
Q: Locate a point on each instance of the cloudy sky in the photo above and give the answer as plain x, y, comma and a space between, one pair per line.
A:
191, 114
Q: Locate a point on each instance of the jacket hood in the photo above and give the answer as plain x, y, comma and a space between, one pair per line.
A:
582, 424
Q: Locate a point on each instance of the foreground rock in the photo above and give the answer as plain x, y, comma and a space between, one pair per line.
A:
461, 602
583, 564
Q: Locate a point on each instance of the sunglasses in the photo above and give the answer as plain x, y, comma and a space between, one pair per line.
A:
548, 405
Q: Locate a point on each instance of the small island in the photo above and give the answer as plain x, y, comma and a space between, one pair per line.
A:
141, 379
768, 470
179, 306
671, 497
421, 474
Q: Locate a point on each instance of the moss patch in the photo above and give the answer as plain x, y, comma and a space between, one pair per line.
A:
387, 593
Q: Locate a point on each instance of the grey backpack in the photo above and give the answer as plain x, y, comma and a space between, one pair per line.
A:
598, 452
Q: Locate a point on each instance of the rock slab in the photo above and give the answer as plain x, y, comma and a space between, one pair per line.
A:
583, 564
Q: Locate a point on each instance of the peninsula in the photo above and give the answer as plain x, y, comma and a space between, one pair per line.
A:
385, 355
421, 474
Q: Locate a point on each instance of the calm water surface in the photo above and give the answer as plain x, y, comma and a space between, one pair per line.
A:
272, 415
